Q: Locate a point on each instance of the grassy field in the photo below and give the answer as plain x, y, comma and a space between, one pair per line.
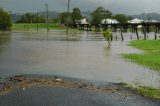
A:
28, 26
151, 56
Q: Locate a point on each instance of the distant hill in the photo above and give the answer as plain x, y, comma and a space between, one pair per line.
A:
86, 13
54, 14
51, 14
145, 16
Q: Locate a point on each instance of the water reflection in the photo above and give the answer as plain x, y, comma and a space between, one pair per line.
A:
85, 55
4, 38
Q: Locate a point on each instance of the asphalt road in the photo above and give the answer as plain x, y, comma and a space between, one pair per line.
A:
60, 96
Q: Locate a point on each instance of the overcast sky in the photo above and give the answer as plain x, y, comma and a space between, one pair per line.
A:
116, 6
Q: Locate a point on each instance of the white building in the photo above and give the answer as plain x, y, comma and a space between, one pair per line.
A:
136, 20
109, 21
84, 21
151, 21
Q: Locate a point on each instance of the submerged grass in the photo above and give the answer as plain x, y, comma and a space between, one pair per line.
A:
151, 56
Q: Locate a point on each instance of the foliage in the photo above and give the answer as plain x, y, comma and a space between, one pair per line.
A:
121, 18
151, 56
130, 18
76, 15
73, 16
63, 18
55, 20
107, 35
31, 18
5, 20
99, 14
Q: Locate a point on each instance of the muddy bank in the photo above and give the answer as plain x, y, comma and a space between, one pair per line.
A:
53, 90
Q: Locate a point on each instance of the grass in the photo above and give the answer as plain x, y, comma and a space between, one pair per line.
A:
150, 92
41, 26
146, 91
33, 26
151, 56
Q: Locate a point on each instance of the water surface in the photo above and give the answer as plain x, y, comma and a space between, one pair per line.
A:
85, 55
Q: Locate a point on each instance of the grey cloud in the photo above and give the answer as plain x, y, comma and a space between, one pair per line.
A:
116, 6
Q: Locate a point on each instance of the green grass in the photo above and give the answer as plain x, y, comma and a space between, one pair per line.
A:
146, 91
151, 56
150, 92
41, 26
33, 26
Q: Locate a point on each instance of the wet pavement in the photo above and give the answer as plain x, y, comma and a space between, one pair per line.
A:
57, 96
59, 91
84, 56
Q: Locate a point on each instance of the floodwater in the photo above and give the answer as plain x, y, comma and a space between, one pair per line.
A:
84, 55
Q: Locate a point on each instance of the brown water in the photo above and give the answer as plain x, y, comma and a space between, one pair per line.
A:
85, 55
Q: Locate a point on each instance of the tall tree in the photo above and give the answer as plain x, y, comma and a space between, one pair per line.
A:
121, 18
99, 14
5, 20
76, 15
63, 18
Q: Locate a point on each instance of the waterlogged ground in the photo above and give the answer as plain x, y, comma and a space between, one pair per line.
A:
84, 55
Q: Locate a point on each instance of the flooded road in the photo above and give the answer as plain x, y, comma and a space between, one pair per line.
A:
85, 55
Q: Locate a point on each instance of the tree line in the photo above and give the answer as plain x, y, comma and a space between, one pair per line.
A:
96, 16
31, 18
75, 16
72, 17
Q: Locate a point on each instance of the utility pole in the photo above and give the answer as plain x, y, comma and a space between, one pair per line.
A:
68, 18
1, 24
47, 17
37, 22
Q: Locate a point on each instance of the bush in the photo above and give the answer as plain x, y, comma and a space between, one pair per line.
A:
108, 36
5, 20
